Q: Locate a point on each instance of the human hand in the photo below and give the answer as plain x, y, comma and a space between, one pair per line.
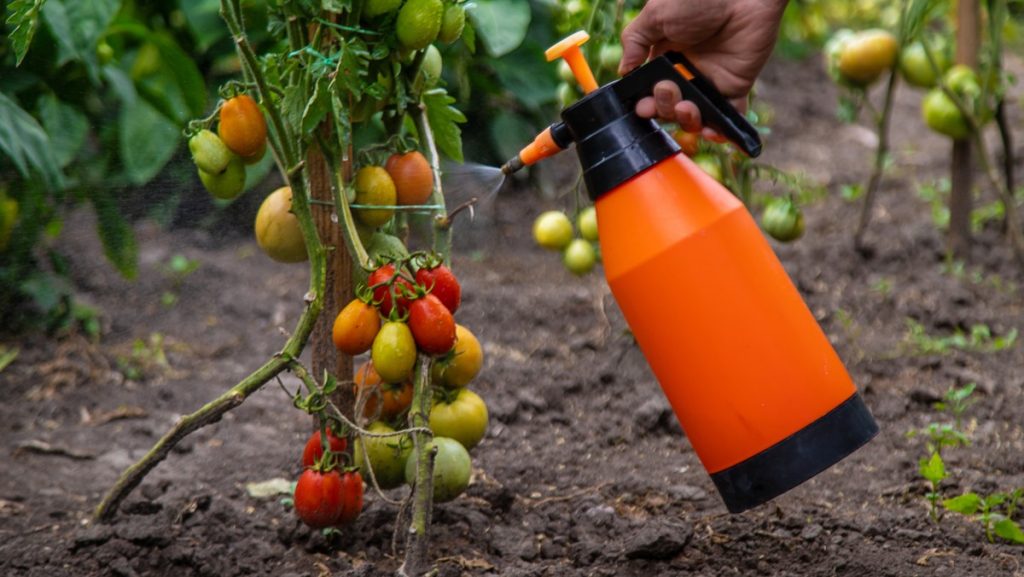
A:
728, 40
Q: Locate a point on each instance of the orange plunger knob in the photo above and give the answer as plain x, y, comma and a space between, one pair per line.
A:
569, 49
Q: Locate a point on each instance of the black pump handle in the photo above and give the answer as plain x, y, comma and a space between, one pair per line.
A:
715, 110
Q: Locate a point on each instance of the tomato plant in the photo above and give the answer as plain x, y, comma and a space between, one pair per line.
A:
461, 415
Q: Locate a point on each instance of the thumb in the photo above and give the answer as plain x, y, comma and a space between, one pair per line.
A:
637, 39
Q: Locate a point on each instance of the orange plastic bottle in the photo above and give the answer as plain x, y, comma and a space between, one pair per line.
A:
753, 380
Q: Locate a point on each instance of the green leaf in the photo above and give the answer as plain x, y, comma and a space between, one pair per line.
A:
7, 356
501, 24
23, 20
26, 144
147, 141
204, 19
1009, 529
115, 232
966, 504
66, 125
933, 469
444, 122
182, 68
317, 107
85, 21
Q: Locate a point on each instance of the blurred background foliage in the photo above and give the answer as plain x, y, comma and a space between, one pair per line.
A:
94, 95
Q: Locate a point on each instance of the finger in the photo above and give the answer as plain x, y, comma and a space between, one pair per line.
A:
637, 39
666, 96
646, 108
687, 115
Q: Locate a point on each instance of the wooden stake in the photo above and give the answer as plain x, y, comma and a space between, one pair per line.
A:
968, 35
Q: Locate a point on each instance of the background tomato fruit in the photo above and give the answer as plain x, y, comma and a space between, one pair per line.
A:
241, 126
710, 164
229, 183
441, 282
689, 142
413, 177
915, 67
432, 325
783, 220
430, 69
386, 455
394, 352
466, 361
355, 327
8, 218
579, 257
609, 56
277, 229
209, 153
552, 230
374, 187
394, 398
452, 468
318, 498
463, 417
586, 223
866, 55
941, 115
314, 449
419, 22
452, 23
374, 8
382, 294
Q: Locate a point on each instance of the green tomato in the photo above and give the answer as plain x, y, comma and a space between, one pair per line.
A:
783, 220
394, 352
8, 218
452, 24
386, 455
567, 95
586, 222
565, 72
418, 24
552, 230
610, 56
463, 418
104, 52
209, 152
941, 115
917, 70
228, 184
579, 257
709, 163
865, 55
431, 67
374, 8
452, 468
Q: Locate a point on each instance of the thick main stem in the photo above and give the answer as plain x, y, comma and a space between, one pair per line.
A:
417, 545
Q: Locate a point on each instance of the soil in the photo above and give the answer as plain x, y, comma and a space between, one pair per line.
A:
584, 470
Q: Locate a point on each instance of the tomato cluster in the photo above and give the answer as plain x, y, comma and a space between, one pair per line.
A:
407, 309
327, 494
241, 139
553, 230
406, 179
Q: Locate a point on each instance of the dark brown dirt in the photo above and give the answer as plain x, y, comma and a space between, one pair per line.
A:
584, 470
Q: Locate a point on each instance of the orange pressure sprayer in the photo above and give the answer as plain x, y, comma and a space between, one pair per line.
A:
760, 392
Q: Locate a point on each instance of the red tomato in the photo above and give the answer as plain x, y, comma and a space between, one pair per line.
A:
351, 497
318, 498
432, 325
382, 294
314, 449
413, 177
440, 282
355, 327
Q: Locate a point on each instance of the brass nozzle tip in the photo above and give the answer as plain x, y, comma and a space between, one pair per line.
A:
514, 165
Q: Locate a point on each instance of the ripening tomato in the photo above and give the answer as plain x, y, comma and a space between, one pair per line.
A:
355, 327
385, 455
461, 415
382, 293
441, 282
314, 448
452, 468
393, 397
867, 54
242, 127
466, 360
277, 229
318, 498
552, 230
432, 325
689, 142
394, 352
412, 175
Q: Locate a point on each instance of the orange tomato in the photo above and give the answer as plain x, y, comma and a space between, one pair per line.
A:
394, 398
355, 327
414, 179
242, 127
